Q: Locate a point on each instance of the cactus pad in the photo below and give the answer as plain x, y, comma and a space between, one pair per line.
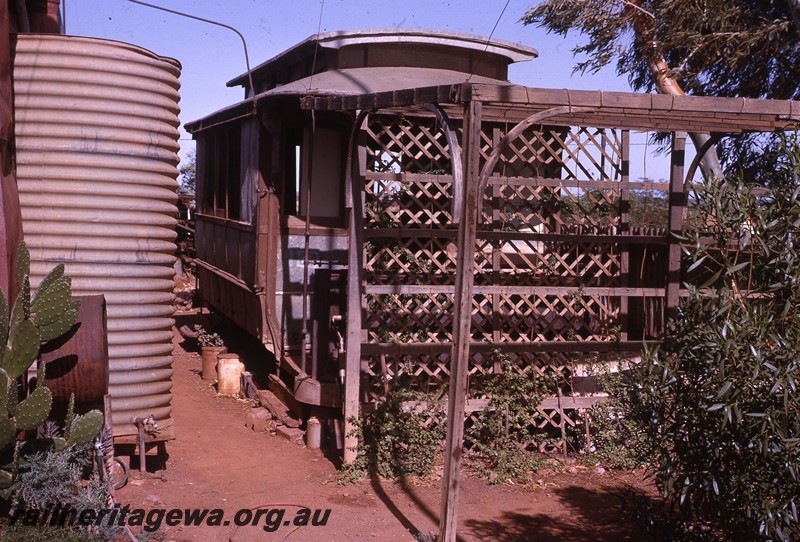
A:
55, 273
22, 305
33, 411
6, 479
8, 431
12, 398
63, 324
59, 444
85, 428
22, 348
23, 261
49, 304
4, 380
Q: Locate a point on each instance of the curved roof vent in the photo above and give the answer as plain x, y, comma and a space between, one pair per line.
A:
412, 48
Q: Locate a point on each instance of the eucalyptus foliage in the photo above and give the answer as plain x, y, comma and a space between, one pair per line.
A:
188, 175
718, 401
743, 48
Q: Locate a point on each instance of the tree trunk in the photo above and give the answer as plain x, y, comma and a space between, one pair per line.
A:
667, 84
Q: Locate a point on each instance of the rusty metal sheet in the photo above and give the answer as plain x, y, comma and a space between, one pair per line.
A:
78, 361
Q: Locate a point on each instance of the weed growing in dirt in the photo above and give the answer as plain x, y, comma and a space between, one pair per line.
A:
426, 537
401, 437
506, 428
23, 533
60, 477
617, 441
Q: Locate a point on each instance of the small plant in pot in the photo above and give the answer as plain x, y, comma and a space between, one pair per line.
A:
211, 345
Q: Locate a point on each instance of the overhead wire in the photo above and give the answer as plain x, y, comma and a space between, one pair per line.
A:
217, 23
489, 39
316, 46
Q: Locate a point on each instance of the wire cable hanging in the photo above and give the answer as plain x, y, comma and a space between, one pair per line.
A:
489, 40
217, 23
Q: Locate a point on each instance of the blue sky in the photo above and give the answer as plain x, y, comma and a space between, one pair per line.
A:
211, 55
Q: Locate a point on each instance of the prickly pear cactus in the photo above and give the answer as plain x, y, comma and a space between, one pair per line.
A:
84, 428
33, 411
46, 315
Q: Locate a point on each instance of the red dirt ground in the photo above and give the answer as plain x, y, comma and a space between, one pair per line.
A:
216, 462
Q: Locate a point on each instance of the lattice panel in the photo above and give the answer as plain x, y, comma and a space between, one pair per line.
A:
547, 190
590, 153
411, 145
482, 318
418, 372
525, 262
404, 318
526, 363
486, 144
422, 318
428, 371
390, 203
557, 152
557, 318
484, 261
534, 154
409, 261
594, 206
546, 209
526, 208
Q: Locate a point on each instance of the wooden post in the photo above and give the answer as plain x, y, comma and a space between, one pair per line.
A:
352, 377
10, 217
562, 425
462, 317
497, 250
624, 229
267, 219
677, 202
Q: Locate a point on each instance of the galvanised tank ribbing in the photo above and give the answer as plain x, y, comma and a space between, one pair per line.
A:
97, 141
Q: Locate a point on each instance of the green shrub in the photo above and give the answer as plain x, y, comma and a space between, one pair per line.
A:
401, 437
718, 401
617, 441
505, 429
23, 533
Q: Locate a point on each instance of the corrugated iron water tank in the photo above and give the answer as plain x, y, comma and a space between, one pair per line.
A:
97, 141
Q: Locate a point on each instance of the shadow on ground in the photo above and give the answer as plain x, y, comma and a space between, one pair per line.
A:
596, 515
418, 505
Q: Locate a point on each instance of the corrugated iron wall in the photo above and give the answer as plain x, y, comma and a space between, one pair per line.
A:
97, 141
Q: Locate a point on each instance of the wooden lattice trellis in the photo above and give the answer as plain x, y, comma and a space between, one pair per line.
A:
550, 264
